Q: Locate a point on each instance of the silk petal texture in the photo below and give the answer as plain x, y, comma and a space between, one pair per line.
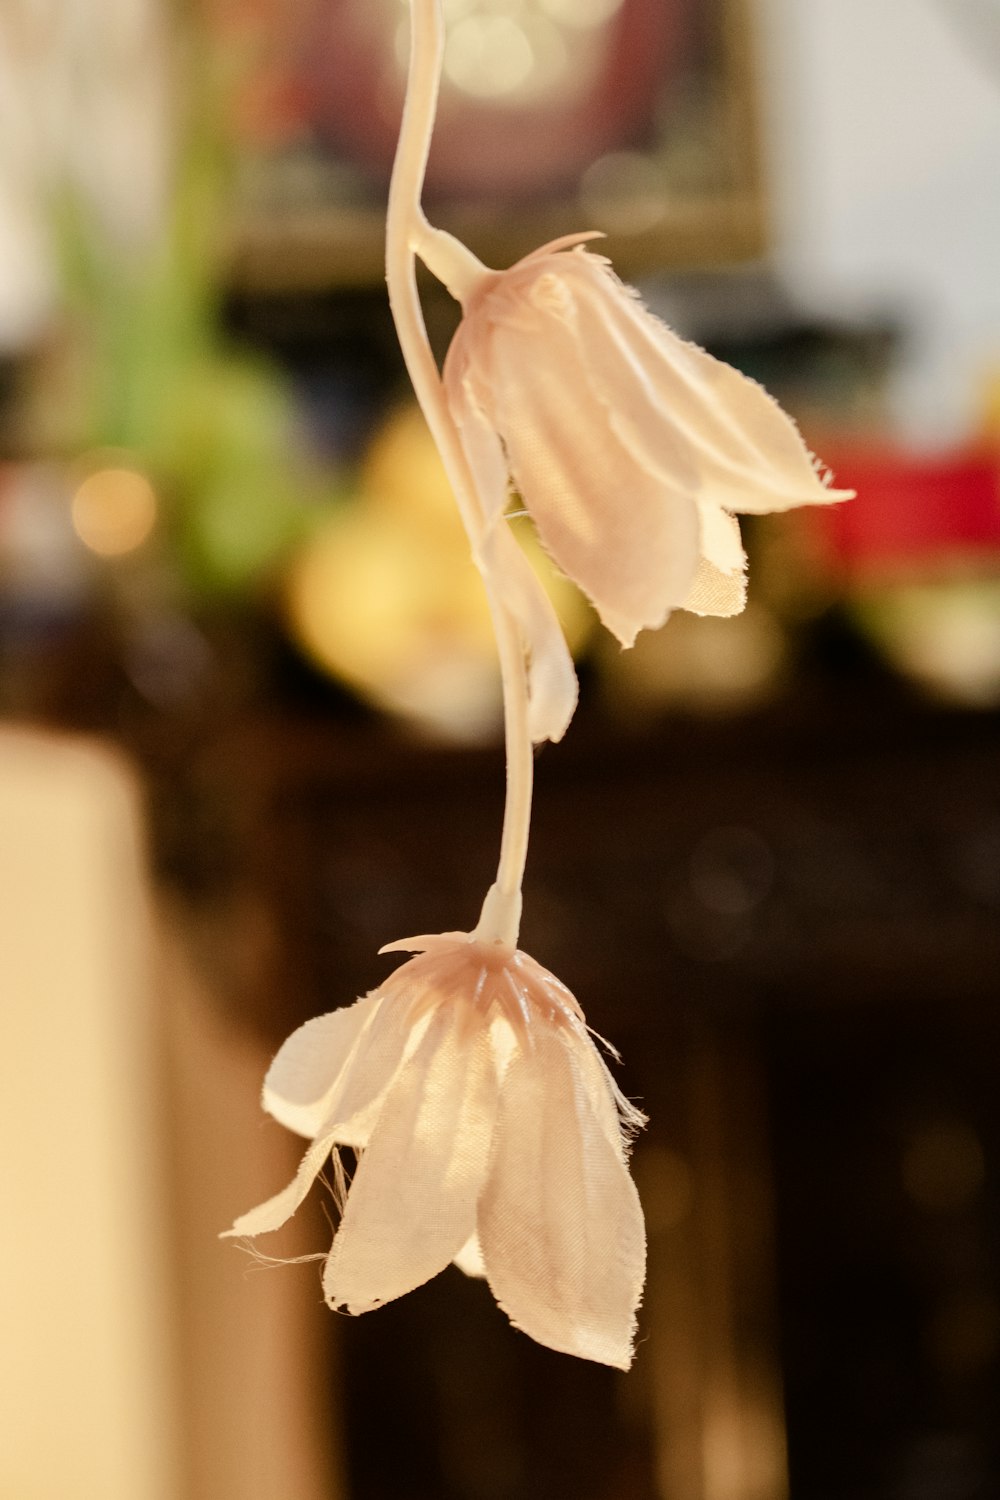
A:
470, 1258
719, 586
353, 1102
600, 517
492, 1135
631, 448
747, 453
560, 1223
304, 1077
412, 1204
552, 685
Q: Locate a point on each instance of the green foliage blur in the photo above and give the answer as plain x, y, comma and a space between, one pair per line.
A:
213, 425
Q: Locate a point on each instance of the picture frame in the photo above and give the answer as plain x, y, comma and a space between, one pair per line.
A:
688, 194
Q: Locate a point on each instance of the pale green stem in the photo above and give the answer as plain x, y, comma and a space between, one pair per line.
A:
408, 235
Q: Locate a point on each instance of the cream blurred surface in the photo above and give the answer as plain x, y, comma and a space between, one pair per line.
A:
137, 1360
86, 1383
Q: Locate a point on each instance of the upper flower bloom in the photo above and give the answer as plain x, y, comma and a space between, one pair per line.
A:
631, 449
490, 1133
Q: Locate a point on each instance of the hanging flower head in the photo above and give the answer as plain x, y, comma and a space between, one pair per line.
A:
489, 1129
631, 449
491, 1134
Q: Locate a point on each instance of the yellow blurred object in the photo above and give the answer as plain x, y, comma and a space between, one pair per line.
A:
944, 635
87, 1378
705, 665
386, 597
991, 405
403, 477
114, 511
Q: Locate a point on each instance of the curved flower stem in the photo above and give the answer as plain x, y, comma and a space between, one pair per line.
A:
408, 235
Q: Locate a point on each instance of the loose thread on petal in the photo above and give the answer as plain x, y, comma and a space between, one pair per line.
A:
631, 1118
337, 1188
264, 1262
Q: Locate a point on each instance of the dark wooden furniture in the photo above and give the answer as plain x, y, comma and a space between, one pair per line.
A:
790, 925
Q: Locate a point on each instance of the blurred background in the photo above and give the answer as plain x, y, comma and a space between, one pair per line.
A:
247, 679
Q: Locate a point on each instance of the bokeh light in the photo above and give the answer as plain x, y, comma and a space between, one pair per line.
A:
582, 14
114, 511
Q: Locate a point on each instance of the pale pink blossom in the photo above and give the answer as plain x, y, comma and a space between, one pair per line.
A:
488, 1128
631, 449
490, 1133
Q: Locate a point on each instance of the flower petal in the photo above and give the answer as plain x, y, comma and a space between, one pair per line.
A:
618, 1117
748, 453
552, 681
559, 1219
613, 526
427, 942
279, 1209
719, 586
470, 1258
480, 442
356, 1105
411, 1206
353, 1104
721, 543
304, 1076
552, 684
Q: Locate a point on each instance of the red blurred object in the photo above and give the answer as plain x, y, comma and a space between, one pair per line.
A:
911, 509
269, 102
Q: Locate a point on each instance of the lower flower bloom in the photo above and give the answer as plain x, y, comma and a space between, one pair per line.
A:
490, 1133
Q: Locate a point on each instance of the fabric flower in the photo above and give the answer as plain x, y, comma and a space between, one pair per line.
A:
631, 449
490, 1133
